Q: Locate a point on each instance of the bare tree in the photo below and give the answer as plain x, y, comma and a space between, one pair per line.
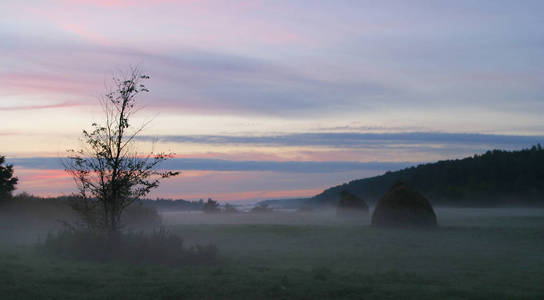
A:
108, 171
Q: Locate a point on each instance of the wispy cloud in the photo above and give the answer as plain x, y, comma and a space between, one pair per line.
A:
37, 107
127, 3
48, 163
352, 139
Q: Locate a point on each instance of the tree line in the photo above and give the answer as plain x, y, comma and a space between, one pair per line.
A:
497, 177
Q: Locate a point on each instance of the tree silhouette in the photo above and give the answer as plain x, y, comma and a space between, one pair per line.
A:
496, 177
7, 181
109, 173
211, 206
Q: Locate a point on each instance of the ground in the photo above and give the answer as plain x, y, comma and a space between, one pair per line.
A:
474, 254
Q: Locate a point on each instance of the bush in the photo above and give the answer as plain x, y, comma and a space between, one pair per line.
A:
211, 206
30, 209
158, 247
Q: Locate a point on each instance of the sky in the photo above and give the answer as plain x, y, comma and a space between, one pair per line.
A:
272, 99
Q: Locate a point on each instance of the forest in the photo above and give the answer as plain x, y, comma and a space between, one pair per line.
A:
495, 178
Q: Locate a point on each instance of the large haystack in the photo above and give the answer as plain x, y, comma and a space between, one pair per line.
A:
402, 206
351, 205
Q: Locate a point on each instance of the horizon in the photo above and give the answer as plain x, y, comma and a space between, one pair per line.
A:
273, 100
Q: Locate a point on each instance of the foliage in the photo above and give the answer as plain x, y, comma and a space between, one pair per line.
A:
25, 210
494, 178
158, 247
211, 206
7, 181
109, 173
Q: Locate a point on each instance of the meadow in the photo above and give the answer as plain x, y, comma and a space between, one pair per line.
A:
474, 254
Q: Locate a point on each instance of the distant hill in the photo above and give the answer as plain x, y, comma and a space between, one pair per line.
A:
285, 203
496, 178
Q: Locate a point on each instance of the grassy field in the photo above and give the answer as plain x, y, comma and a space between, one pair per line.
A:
474, 254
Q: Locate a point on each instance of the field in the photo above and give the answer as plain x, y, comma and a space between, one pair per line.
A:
474, 254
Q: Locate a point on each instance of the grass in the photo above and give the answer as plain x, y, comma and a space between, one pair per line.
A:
474, 254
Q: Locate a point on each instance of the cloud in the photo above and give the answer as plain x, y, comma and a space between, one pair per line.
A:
353, 139
189, 79
7, 133
220, 185
48, 163
36, 107
127, 3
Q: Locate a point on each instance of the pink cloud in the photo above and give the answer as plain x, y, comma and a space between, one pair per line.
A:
78, 30
248, 185
220, 185
240, 156
42, 84
35, 107
44, 182
126, 3
85, 34
7, 133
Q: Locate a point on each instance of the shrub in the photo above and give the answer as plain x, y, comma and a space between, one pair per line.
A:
158, 247
134, 216
211, 206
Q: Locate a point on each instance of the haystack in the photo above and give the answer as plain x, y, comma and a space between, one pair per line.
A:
350, 205
403, 206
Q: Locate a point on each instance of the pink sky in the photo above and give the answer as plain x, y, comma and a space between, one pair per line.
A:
273, 81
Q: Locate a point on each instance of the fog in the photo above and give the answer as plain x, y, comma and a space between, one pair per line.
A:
290, 253
447, 216
24, 226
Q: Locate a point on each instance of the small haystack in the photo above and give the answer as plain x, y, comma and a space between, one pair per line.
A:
351, 205
402, 206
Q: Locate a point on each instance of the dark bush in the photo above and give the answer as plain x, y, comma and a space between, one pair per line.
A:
211, 206
30, 209
158, 247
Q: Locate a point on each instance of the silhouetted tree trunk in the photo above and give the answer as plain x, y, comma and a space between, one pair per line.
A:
109, 173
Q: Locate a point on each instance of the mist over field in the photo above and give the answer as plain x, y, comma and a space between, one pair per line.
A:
313, 254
